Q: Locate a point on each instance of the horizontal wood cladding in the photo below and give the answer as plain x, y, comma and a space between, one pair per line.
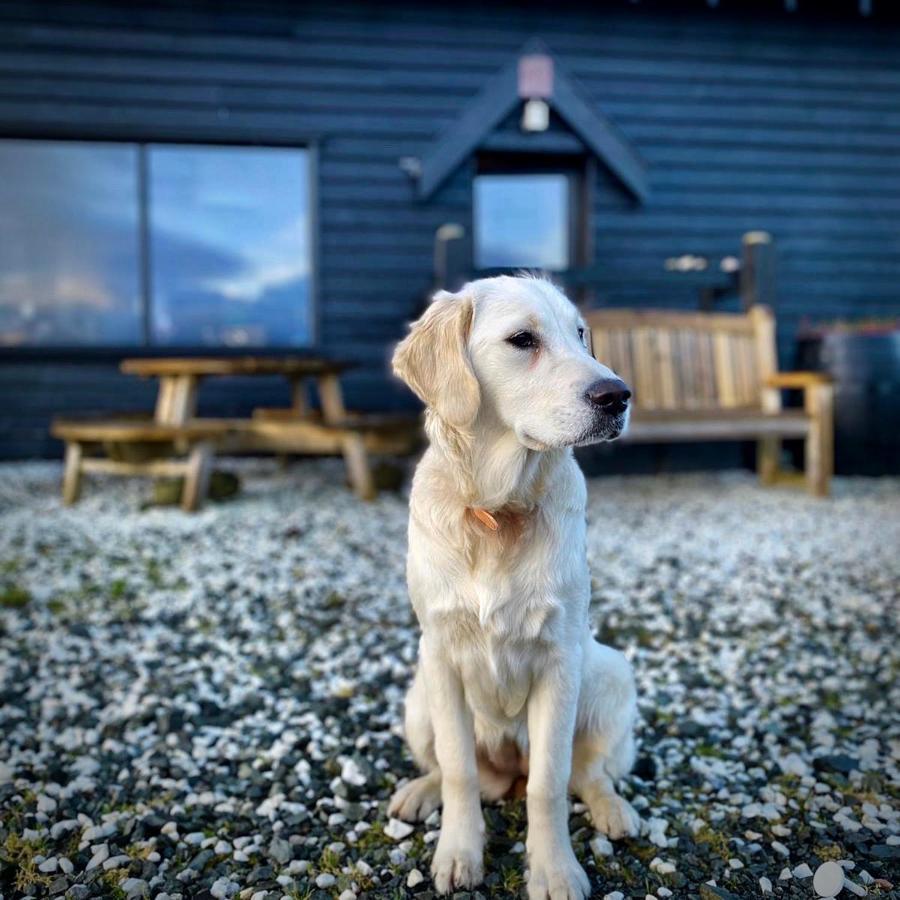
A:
786, 123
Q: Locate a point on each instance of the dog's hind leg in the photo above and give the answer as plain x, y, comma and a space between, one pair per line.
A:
604, 741
417, 799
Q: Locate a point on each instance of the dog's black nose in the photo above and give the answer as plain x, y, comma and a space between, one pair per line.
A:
610, 395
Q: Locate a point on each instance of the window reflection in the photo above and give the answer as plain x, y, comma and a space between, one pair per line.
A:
230, 248
522, 220
69, 269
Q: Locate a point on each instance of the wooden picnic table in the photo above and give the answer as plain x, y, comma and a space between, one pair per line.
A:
175, 442
180, 377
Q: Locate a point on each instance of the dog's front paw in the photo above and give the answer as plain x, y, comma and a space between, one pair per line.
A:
557, 876
416, 800
615, 817
456, 865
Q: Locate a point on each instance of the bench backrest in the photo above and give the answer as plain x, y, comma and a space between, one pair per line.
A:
688, 360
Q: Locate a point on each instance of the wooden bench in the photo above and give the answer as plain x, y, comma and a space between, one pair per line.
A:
135, 447
714, 376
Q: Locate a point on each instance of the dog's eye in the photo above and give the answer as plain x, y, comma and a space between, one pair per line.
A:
524, 340
581, 335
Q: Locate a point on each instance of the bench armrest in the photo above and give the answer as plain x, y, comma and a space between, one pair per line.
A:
796, 380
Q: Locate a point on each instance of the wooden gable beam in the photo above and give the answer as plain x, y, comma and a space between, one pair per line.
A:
600, 135
497, 100
532, 74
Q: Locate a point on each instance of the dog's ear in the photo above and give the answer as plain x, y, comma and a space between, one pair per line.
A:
433, 359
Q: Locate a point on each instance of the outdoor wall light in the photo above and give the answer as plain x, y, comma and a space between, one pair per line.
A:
535, 115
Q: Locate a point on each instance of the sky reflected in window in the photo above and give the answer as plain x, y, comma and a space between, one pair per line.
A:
522, 221
230, 246
69, 250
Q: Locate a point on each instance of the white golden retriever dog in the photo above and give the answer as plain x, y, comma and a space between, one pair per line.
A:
510, 683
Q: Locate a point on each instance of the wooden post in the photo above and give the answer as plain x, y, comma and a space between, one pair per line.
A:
452, 257
72, 473
757, 275
819, 404
196, 476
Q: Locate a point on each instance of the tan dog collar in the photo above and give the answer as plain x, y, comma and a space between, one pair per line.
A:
485, 518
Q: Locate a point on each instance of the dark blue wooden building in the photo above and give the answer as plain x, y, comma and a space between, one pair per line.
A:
178, 176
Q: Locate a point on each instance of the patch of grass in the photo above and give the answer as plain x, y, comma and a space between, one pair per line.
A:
512, 880
21, 856
718, 843
14, 596
832, 851
708, 750
330, 862
111, 881
10, 566
373, 838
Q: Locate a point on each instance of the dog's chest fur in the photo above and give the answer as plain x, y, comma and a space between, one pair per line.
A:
504, 619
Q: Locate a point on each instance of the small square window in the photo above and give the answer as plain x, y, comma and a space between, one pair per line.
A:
522, 220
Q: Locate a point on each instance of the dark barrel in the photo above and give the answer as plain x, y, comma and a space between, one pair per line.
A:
866, 372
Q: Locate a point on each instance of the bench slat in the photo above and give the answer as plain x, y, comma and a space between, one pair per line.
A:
687, 425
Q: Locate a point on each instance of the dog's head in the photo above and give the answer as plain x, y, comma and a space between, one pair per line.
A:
513, 350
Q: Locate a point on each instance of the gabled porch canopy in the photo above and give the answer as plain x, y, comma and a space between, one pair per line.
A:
532, 76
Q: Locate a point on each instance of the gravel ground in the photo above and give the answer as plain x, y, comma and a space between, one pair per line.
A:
208, 706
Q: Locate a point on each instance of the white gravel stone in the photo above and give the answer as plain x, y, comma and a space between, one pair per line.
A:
223, 888
398, 830
325, 880
414, 879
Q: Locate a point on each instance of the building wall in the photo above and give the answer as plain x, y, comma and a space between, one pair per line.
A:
782, 122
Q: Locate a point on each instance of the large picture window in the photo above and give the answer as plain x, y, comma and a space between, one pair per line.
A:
154, 244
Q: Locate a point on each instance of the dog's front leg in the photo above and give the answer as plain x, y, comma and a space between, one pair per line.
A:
555, 873
458, 858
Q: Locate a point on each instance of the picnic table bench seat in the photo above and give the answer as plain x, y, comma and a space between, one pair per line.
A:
141, 445
714, 376
134, 446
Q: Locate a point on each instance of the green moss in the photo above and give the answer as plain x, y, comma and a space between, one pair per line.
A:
14, 596
21, 856
718, 842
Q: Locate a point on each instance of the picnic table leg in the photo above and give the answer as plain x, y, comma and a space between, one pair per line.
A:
72, 473
196, 479
177, 399
357, 462
354, 448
